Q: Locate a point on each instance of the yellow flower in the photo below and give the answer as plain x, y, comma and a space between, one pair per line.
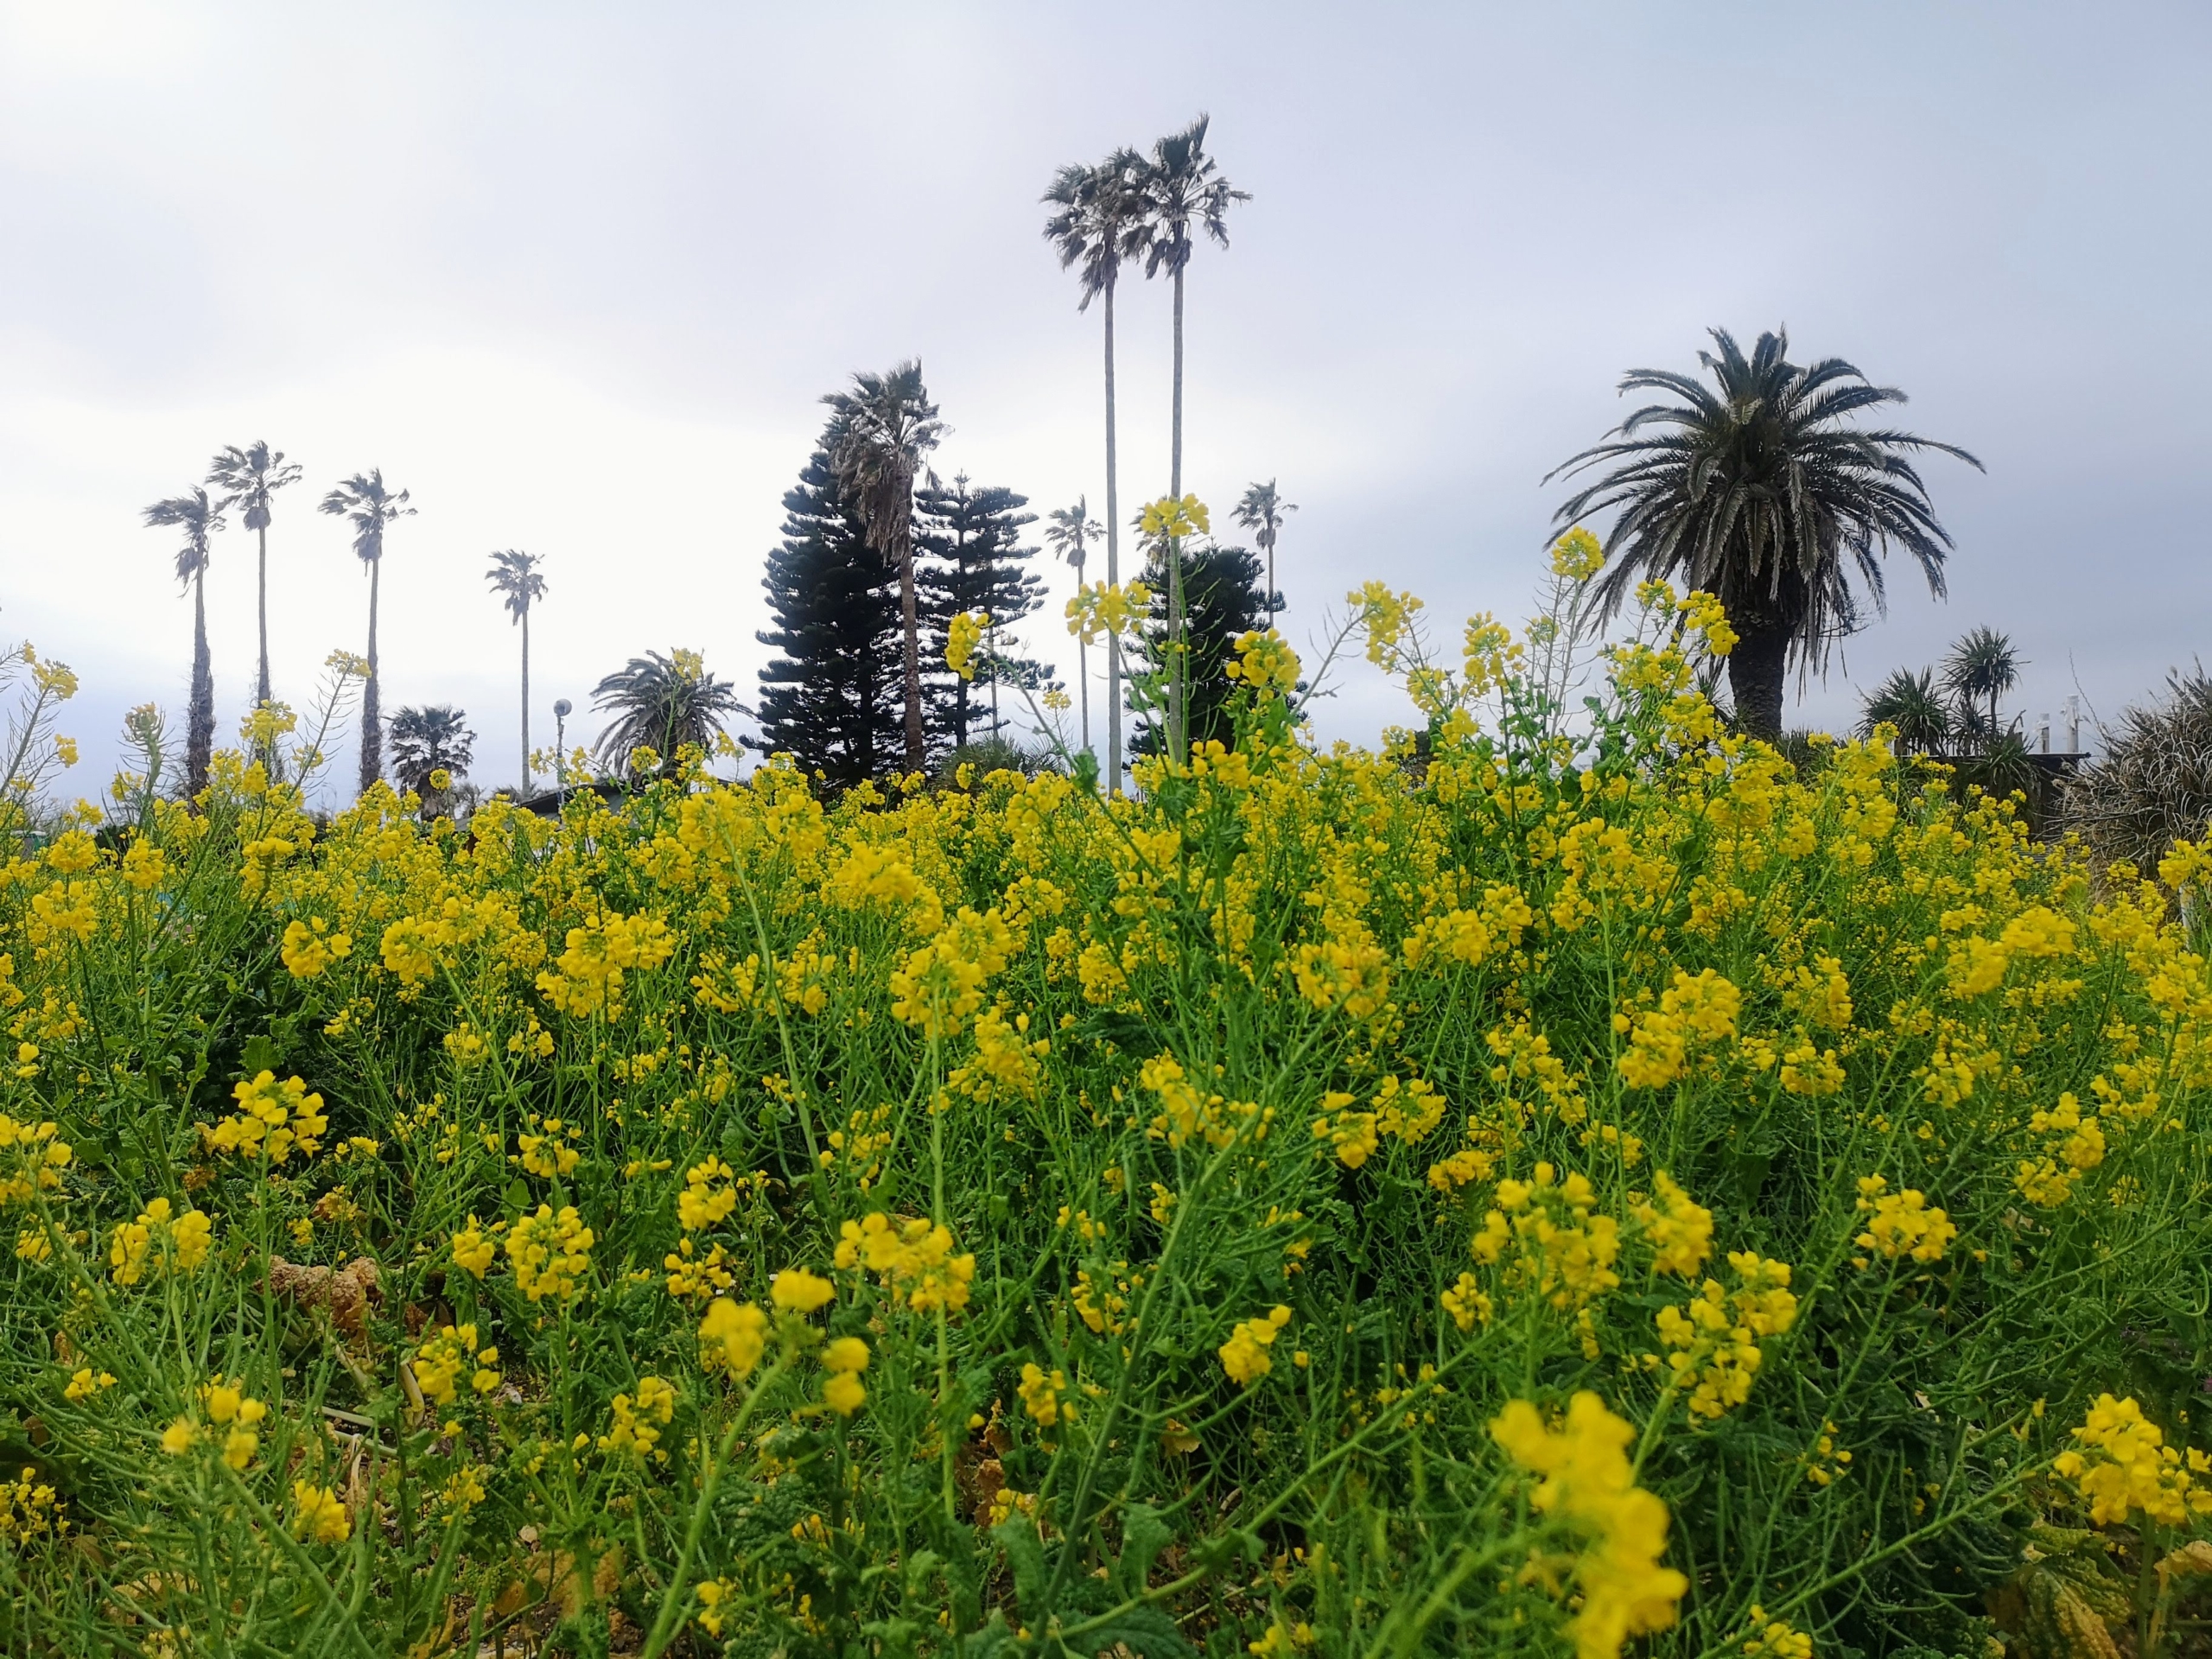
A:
797, 1291
317, 1515
1244, 1355
962, 635
732, 1337
1577, 555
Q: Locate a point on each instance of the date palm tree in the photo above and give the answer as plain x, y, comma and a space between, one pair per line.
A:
514, 577
364, 502
199, 518
1100, 222
661, 704
879, 431
426, 741
1261, 512
248, 478
1070, 530
1761, 491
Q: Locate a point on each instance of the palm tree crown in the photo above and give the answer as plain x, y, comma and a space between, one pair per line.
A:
1759, 492
1914, 707
1101, 219
1182, 188
661, 704
879, 431
515, 578
200, 518
1981, 667
1070, 530
425, 741
364, 502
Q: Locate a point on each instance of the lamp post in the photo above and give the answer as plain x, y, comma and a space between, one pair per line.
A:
562, 710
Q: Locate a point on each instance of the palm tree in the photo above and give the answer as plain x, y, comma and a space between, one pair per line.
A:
1182, 188
1760, 493
1982, 665
1911, 703
1261, 512
426, 741
1100, 223
879, 433
248, 477
364, 503
199, 518
661, 704
1070, 530
514, 576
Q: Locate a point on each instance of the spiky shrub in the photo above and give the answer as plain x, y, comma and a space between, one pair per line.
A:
2152, 785
1616, 1187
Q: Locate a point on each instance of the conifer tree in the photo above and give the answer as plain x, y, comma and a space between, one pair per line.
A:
831, 697
1222, 598
972, 537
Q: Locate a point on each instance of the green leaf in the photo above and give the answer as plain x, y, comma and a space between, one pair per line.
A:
992, 1638
1145, 1632
260, 1055
1024, 1556
1144, 1535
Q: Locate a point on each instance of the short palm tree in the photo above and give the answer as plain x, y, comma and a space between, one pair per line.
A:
1980, 668
425, 742
879, 431
248, 478
1100, 222
1760, 491
1070, 530
1911, 704
1261, 512
514, 577
363, 501
661, 704
199, 518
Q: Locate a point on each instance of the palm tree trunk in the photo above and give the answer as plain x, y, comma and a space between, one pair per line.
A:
1179, 717
200, 720
525, 699
1113, 566
371, 703
906, 610
1755, 676
261, 687
1083, 676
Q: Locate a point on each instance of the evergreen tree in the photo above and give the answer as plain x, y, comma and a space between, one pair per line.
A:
1222, 598
973, 539
831, 697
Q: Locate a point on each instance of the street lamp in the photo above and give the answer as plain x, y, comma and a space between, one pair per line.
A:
562, 710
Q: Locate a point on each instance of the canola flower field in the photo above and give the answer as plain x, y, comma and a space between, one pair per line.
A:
1586, 1182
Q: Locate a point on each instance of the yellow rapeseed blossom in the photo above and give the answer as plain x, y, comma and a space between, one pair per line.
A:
551, 1253
1244, 1355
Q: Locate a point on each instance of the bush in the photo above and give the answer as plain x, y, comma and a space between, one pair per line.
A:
1610, 1186
2152, 786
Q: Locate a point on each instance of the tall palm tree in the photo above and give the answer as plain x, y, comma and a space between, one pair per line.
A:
879, 431
1982, 664
199, 518
662, 703
248, 477
1182, 189
363, 501
1760, 493
1070, 530
514, 576
1100, 223
1261, 512
426, 741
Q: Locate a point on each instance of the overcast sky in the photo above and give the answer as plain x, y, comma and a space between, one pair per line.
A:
578, 275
